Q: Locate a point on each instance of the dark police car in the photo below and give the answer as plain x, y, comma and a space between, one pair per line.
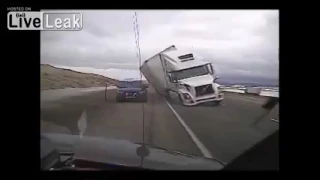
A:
131, 90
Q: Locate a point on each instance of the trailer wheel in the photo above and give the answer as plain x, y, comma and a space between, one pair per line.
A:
144, 99
157, 91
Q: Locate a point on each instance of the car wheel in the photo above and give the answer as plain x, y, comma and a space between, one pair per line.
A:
144, 98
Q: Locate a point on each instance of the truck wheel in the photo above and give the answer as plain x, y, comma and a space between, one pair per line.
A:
217, 103
180, 99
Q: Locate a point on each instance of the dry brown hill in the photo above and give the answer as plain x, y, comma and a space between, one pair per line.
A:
58, 78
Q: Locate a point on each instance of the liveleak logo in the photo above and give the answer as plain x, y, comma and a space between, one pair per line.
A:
32, 20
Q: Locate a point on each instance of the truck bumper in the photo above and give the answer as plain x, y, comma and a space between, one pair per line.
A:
199, 100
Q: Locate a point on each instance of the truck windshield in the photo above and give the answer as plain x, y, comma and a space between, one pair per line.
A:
191, 72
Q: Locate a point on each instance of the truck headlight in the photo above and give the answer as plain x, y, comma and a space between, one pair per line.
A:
186, 96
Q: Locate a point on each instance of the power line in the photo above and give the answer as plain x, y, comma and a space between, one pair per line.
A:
136, 34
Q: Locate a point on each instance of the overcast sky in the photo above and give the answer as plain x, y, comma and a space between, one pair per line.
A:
237, 42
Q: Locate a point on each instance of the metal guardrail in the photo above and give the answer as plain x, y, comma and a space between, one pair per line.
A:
262, 93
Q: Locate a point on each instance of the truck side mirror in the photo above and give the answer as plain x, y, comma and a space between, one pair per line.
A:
210, 69
169, 77
216, 78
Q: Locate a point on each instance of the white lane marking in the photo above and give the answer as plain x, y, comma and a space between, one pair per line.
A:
82, 124
195, 139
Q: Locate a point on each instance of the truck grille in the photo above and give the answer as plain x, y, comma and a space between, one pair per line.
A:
204, 90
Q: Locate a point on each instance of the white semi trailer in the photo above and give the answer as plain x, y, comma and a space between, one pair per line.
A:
192, 79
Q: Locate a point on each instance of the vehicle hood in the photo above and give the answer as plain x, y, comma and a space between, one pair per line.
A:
123, 152
198, 80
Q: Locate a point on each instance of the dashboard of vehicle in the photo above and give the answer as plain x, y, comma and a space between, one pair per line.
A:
54, 160
83, 165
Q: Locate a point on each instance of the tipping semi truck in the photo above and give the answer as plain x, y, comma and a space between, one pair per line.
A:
180, 72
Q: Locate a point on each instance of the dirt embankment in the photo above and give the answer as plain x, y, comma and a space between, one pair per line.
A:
58, 78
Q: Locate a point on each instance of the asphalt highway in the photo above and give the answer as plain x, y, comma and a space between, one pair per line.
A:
224, 131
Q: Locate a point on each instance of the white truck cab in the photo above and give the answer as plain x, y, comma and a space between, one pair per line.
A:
183, 73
